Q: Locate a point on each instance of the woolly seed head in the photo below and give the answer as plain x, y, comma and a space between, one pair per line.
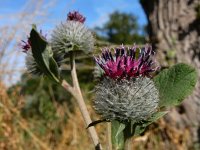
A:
125, 100
71, 35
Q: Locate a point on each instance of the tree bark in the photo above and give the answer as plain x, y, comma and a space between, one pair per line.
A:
174, 31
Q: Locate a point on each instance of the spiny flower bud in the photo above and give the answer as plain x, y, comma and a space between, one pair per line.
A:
125, 100
70, 36
75, 16
31, 65
127, 62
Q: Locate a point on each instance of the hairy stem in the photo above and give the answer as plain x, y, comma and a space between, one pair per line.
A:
76, 92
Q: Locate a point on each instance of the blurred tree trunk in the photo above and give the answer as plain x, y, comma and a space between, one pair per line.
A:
174, 30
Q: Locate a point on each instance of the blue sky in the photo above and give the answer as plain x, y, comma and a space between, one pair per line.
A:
52, 12
96, 11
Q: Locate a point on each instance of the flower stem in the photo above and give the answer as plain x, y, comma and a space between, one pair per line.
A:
76, 92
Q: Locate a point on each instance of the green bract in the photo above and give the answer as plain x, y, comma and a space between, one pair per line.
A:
43, 56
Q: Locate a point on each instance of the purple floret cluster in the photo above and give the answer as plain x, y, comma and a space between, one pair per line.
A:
127, 62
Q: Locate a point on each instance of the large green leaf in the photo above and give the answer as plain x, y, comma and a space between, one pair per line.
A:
117, 129
140, 127
43, 55
175, 84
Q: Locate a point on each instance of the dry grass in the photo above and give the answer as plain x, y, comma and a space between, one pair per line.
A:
17, 132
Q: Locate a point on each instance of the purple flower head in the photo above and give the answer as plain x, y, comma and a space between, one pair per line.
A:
26, 45
75, 16
127, 62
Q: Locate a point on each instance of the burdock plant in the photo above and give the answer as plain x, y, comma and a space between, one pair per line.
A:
131, 96
132, 92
